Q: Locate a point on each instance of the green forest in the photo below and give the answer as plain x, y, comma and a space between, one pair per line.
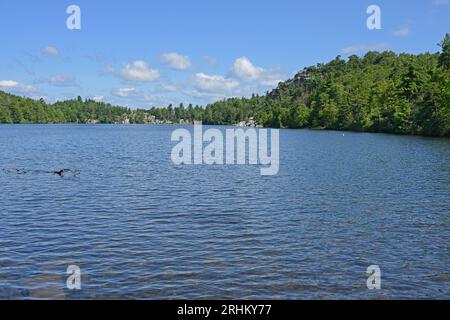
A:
379, 92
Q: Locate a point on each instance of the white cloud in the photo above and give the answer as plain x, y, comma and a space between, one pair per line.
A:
244, 69
176, 61
204, 82
139, 71
243, 79
8, 83
365, 47
197, 94
15, 87
124, 92
51, 51
135, 95
205, 97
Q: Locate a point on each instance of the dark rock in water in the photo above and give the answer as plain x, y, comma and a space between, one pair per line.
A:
60, 172
63, 171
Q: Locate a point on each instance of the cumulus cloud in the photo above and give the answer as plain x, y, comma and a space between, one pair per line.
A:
365, 47
8, 83
15, 87
139, 71
242, 80
244, 69
51, 51
176, 61
124, 92
214, 83
135, 95
209, 88
207, 96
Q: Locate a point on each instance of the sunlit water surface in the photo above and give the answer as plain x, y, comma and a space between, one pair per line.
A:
140, 227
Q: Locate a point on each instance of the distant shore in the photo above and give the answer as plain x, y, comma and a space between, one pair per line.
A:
216, 125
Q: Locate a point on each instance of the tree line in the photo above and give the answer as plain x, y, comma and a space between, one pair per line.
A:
379, 92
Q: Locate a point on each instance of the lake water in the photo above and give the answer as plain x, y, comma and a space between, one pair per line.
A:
140, 227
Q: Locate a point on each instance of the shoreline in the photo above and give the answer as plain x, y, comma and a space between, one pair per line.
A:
217, 125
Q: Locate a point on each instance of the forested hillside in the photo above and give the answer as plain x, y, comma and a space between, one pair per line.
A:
14, 109
380, 92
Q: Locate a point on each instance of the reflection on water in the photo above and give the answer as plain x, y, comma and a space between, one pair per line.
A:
140, 227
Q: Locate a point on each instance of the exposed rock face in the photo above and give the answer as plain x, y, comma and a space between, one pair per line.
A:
298, 81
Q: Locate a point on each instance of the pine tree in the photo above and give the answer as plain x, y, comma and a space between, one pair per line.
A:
444, 58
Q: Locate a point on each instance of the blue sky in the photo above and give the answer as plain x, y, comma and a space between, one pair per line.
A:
151, 53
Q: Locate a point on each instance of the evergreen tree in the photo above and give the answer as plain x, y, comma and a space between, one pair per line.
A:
444, 58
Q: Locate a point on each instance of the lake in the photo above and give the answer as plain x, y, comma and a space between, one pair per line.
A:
140, 227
